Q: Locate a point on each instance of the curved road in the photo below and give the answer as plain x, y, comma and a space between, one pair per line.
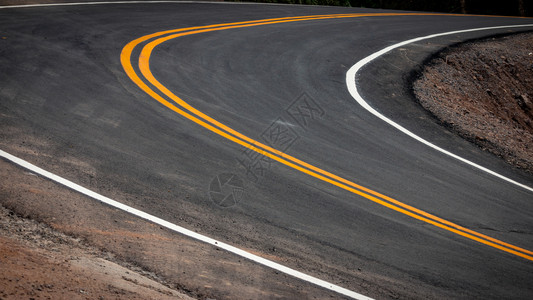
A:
68, 105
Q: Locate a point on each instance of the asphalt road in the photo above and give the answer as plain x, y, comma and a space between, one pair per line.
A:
68, 106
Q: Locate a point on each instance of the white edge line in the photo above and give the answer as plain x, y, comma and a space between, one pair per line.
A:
182, 230
102, 2
147, 2
352, 88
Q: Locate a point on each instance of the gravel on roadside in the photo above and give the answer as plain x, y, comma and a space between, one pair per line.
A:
483, 90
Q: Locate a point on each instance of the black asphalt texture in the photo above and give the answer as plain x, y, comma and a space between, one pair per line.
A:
61, 82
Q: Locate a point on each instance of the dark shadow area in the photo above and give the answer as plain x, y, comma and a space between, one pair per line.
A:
505, 8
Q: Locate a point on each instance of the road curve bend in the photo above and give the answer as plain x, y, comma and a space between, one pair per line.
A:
234, 122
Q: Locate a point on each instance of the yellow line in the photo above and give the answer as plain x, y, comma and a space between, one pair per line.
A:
280, 156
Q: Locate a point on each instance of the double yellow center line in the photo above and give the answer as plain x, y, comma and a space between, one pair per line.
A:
160, 93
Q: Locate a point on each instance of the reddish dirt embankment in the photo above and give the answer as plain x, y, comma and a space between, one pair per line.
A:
484, 91
37, 262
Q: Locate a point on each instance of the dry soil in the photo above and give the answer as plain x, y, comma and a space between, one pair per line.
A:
483, 90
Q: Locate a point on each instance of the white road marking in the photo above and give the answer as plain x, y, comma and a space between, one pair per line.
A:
140, 2
182, 230
352, 88
94, 3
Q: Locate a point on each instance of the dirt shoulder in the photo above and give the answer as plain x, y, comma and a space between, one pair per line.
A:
483, 90
59, 244
38, 262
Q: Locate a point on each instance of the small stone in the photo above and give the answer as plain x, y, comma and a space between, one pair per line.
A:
524, 102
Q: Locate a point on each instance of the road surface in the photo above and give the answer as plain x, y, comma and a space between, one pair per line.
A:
69, 106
